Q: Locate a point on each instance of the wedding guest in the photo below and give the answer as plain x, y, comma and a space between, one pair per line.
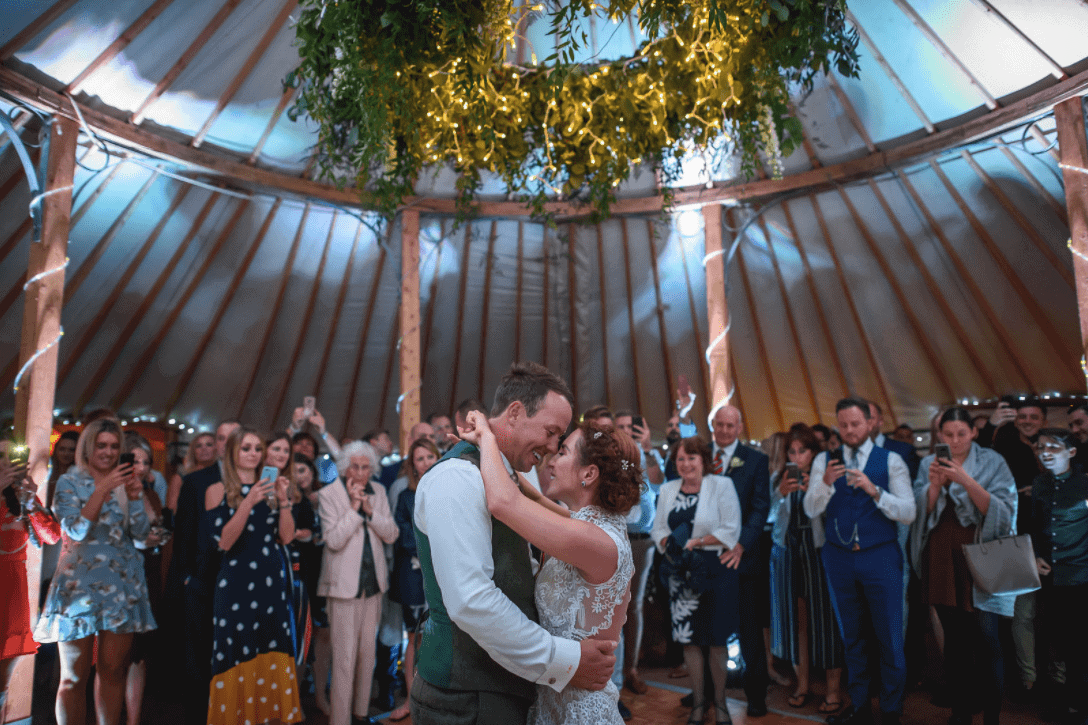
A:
15, 629
99, 592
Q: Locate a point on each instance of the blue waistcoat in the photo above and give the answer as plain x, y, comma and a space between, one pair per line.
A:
852, 519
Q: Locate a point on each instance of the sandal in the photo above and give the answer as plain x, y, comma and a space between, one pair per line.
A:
694, 719
718, 719
829, 707
802, 700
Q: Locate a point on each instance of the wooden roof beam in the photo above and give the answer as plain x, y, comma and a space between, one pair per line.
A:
288, 269
365, 333
307, 320
1055, 70
134, 320
183, 62
247, 68
1054, 204
520, 284
489, 266
662, 330
36, 26
345, 282
573, 315
113, 49
428, 325
152, 349
220, 167
944, 50
696, 333
892, 75
224, 304
465, 258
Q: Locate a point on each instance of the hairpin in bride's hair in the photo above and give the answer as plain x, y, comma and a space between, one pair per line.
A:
597, 435
626, 464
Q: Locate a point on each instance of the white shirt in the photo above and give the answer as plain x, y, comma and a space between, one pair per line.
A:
897, 503
460, 538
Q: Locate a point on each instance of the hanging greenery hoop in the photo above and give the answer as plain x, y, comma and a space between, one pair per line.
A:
397, 86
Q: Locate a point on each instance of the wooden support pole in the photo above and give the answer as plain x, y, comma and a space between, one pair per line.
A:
666, 352
38, 356
632, 333
717, 310
1073, 144
410, 378
428, 320
465, 260
481, 363
604, 318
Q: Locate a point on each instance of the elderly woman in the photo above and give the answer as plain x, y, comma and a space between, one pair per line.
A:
356, 521
99, 591
701, 511
968, 495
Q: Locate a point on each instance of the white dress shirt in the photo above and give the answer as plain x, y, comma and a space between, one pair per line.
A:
897, 503
460, 538
727, 454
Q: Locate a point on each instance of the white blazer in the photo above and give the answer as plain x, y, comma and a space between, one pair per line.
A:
717, 513
343, 529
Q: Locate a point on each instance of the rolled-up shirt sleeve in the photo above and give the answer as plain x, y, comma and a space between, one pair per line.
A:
818, 493
897, 503
459, 532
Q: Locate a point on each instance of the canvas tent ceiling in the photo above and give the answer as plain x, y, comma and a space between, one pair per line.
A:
945, 278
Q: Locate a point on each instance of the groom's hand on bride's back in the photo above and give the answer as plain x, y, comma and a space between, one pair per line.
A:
596, 664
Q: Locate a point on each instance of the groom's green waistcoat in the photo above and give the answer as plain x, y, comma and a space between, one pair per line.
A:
450, 658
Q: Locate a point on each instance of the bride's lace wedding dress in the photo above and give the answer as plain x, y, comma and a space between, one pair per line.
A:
571, 607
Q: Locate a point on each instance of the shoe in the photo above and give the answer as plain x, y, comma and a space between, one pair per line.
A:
635, 684
625, 712
851, 715
891, 718
757, 709
687, 700
801, 700
697, 715
829, 707
721, 716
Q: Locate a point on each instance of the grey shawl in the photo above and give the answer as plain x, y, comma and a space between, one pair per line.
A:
992, 473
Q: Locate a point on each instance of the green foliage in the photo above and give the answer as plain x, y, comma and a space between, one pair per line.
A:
397, 86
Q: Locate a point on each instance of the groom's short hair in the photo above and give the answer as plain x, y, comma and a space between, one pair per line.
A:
529, 383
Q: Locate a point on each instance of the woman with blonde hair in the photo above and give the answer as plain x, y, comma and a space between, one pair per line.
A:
99, 591
201, 454
253, 655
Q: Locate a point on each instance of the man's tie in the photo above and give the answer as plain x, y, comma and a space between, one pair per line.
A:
852, 459
719, 462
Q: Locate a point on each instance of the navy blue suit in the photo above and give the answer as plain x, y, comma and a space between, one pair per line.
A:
189, 584
864, 565
751, 480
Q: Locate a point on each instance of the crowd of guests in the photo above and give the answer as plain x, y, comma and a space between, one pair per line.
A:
266, 566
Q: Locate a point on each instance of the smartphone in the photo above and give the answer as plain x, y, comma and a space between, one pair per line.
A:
19, 454
943, 453
271, 473
835, 456
793, 473
127, 459
309, 405
637, 421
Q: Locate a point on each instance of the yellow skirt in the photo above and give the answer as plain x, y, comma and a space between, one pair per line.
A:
261, 690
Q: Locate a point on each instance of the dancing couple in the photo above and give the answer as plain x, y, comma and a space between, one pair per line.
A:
496, 648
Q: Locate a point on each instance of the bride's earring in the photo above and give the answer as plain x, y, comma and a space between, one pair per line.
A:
584, 484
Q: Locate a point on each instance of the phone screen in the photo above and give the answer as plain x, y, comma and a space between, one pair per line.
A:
943, 452
126, 459
835, 456
793, 473
638, 422
19, 455
271, 473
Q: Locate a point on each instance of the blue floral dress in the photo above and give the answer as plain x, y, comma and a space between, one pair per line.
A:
99, 583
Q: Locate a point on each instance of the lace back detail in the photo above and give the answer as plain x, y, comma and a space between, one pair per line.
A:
571, 607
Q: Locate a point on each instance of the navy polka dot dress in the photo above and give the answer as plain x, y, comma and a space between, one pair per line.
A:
253, 654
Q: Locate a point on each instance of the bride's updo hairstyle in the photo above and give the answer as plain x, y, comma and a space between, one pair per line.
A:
617, 458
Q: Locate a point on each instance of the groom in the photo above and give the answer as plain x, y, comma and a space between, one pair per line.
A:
482, 650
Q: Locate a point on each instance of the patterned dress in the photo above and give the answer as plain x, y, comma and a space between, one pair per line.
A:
253, 653
571, 607
706, 618
99, 583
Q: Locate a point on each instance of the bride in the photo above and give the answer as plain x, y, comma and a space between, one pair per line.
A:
585, 578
